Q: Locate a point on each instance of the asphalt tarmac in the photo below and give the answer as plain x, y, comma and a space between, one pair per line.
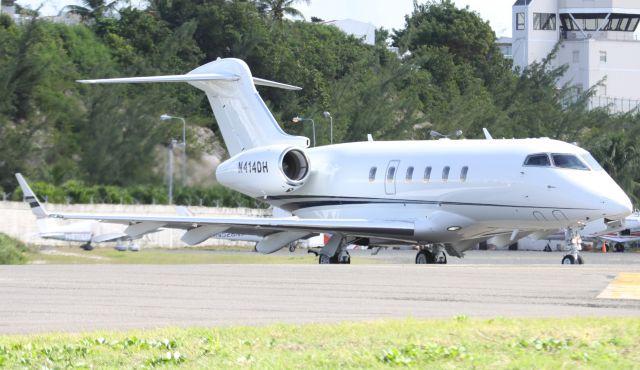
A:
73, 298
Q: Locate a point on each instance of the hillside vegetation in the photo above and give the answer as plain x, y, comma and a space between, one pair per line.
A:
451, 77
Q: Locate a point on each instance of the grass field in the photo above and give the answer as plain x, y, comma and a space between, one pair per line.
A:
75, 255
455, 343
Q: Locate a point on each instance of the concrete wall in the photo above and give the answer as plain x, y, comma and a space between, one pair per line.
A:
17, 221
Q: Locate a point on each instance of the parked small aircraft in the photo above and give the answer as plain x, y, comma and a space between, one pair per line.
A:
85, 232
437, 194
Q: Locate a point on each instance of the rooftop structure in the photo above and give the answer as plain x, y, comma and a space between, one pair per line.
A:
598, 43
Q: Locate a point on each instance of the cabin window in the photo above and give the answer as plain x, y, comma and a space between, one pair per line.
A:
568, 161
391, 173
540, 160
409, 175
372, 174
445, 173
463, 173
427, 174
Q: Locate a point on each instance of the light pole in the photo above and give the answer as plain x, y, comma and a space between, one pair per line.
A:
166, 117
313, 125
328, 115
172, 144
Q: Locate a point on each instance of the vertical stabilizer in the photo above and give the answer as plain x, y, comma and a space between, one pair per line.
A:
244, 119
30, 197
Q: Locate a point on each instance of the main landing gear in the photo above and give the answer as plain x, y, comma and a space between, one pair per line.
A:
433, 254
334, 252
574, 240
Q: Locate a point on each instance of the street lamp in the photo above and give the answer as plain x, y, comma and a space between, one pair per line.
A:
172, 144
313, 125
166, 117
328, 115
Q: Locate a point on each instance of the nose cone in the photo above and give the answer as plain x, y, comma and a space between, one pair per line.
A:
618, 205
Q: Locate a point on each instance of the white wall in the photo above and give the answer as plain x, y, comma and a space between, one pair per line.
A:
16, 220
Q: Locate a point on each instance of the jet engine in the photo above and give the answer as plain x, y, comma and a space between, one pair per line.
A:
265, 171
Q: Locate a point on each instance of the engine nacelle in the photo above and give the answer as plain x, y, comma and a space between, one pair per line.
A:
272, 170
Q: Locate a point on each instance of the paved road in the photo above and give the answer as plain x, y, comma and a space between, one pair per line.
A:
43, 298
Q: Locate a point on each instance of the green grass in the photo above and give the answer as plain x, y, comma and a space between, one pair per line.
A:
12, 251
75, 255
455, 343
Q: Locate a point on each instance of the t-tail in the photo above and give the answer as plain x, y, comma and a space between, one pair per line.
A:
244, 119
30, 197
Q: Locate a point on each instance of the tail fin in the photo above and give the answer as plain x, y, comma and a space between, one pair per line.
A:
244, 119
30, 197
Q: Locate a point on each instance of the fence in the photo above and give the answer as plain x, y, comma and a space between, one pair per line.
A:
16, 220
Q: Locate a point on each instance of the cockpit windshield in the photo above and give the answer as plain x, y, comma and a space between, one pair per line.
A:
568, 161
540, 160
562, 160
591, 162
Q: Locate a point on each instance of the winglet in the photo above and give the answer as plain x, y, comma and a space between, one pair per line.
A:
30, 197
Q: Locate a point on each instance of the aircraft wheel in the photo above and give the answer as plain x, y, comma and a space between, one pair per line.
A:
292, 247
441, 259
569, 259
345, 260
580, 260
424, 258
323, 259
87, 247
619, 247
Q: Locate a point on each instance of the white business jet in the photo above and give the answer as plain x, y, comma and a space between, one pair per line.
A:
439, 195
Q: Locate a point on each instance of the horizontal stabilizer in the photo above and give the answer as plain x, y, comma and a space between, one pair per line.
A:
170, 78
195, 77
263, 82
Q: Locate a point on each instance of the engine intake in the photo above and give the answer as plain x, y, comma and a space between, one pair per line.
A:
272, 170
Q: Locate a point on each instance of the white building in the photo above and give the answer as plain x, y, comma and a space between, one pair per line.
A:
598, 41
361, 30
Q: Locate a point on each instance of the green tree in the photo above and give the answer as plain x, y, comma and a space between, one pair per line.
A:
277, 9
92, 10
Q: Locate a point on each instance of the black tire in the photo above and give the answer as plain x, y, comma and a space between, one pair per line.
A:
323, 259
292, 248
442, 259
87, 247
421, 258
568, 260
580, 260
619, 247
547, 248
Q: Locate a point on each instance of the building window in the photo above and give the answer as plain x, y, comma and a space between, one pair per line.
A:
427, 174
409, 174
445, 173
372, 174
603, 56
544, 21
463, 173
576, 56
519, 21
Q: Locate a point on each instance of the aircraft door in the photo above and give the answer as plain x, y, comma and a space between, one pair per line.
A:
390, 177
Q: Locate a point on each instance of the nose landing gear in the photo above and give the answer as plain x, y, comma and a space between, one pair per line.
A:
574, 240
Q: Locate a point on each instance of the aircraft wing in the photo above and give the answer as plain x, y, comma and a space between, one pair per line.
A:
620, 238
274, 230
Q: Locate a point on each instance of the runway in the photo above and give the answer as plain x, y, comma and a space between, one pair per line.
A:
72, 298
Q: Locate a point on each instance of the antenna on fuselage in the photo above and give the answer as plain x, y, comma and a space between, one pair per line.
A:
487, 135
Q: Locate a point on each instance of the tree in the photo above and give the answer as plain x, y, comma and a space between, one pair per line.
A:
92, 10
277, 9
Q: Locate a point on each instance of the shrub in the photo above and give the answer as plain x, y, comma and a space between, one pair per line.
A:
11, 251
